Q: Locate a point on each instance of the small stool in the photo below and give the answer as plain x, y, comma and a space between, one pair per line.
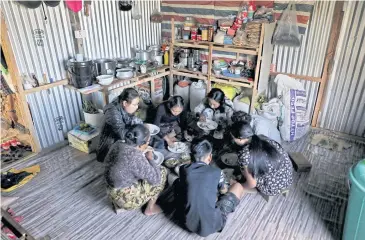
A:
284, 192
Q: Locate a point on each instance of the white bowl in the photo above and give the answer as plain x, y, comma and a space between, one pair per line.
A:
105, 79
124, 73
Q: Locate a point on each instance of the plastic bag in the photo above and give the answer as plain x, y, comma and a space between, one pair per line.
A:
219, 37
156, 16
287, 32
296, 116
136, 13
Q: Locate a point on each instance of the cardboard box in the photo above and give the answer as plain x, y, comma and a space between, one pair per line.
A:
83, 142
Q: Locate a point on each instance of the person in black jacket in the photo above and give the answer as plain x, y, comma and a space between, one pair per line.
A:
118, 115
171, 119
197, 190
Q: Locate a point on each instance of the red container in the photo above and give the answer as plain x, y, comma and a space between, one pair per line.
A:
199, 37
193, 36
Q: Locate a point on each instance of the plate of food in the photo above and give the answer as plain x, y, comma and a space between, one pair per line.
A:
153, 128
208, 125
178, 147
158, 157
171, 162
230, 159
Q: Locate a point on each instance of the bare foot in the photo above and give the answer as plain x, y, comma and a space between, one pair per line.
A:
152, 210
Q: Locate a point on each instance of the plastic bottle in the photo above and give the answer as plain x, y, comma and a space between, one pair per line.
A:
166, 57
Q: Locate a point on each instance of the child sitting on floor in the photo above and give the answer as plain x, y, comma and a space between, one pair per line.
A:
196, 194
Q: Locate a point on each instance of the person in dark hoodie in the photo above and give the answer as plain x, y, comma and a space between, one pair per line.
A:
196, 194
118, 115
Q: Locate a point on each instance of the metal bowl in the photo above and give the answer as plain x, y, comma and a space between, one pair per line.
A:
124, 73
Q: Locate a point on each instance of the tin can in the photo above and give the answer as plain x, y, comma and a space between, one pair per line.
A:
199, 37
210, 33
204, 34
194, 33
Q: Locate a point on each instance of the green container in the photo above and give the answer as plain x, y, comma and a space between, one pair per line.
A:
354, 228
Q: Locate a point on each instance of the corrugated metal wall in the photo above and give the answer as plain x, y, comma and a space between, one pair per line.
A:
309, 58
344, 108
111, 33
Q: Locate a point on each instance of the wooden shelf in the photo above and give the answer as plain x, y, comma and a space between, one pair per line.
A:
232, 81
217, 47
192, 44
188, 73
231, 48
140, 78
210, 46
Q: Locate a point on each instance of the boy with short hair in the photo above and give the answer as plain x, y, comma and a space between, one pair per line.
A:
197, 190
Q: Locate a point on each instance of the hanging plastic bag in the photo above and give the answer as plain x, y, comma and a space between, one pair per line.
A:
156, 16
287, 32
136, 13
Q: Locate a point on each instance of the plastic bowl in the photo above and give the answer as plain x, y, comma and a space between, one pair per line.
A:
105, 79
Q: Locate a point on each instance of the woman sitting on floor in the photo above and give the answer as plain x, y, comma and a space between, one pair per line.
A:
118, 114
263, 162
171, 119
216, 107
132, 176
259, 124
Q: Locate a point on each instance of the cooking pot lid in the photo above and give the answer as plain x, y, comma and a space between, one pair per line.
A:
30, 4
53, 3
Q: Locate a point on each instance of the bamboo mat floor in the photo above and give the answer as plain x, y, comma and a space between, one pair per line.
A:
67, 200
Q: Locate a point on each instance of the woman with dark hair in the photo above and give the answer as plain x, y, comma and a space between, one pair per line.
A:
259, 124
263, 162
132, 176
118, 114
171, 119
216, 107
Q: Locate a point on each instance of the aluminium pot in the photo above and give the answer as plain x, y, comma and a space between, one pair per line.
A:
105, 66
145, 55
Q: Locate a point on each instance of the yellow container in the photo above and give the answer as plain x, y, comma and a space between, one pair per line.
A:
83, 142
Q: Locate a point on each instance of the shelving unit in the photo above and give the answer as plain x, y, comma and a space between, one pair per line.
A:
209, 78
115, 85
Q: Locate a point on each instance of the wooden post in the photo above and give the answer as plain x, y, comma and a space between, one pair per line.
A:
171, 57
331, 50
210, 60
153, 89
106, 96
257, 70
76, 26
14, 73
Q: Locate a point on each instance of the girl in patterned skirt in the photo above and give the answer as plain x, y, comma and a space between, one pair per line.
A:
263, 162
132, 176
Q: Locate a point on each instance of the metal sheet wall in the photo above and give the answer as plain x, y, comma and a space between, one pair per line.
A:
344, 107
110, 33
308, 59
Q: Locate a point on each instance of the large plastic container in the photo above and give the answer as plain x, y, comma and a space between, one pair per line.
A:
354, 228
198, 90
